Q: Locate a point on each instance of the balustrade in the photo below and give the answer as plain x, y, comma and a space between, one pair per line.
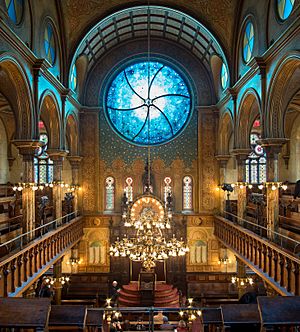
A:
20, 269
263, 256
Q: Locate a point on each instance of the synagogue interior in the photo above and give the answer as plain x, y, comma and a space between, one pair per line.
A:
150, 165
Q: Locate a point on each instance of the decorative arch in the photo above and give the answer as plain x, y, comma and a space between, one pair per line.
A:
16, 88
50, 115
72, 134
226, 125
283, 86
250, 108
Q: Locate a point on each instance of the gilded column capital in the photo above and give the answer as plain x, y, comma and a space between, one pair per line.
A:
223, 159
27, 148
272, 146
74, 161
57, 155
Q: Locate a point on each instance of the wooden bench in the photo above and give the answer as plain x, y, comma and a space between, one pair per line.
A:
240, 317
24, 313
67, 317
279, 312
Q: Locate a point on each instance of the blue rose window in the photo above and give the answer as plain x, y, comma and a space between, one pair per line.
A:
148, 103
285, 8
248, 42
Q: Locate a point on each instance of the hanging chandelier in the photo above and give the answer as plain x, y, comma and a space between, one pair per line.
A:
149, 219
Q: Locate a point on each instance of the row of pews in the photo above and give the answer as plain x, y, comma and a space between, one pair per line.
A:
279, 314
39, 315
269, 314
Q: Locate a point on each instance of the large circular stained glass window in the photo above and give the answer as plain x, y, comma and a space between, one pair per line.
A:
148, 103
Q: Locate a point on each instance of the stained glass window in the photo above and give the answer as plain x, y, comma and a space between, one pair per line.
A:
224, 76
248, 43
73, 79
167, 188
285, 7
15, 10
187, 193
148, 103
256, 162
129, 189
110, 193
43, 165
49, 43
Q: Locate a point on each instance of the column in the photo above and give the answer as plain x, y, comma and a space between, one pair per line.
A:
75, 164
57, 156
27, 150
57, 274
241, 275
241, 155
222, 159
272, 148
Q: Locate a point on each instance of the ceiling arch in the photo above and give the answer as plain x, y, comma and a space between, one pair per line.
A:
142, 21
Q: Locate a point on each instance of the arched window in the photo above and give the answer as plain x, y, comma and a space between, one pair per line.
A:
167, 188
49, 43
224, 76
284, 8
129, 189
43, 165
248, 41
15, 9
110, 193
256, 163
187, 193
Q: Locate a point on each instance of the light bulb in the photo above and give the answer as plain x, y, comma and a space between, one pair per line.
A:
250, 186
273, 187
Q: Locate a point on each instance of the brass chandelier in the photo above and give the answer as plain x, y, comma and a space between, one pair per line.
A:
149, 219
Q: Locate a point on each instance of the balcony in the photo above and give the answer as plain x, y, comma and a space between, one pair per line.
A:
278, 266
31, 254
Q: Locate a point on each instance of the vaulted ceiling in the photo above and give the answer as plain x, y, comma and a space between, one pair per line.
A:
217, 16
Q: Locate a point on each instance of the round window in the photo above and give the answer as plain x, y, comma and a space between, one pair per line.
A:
15, 10
248, 43
285, 8
49, 44
148, 103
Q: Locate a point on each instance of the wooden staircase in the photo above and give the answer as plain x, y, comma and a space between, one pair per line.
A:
164, 296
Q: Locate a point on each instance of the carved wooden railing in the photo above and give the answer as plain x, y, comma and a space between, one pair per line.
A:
19, 270
275, 265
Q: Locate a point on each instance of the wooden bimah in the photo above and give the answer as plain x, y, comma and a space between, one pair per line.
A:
147, 280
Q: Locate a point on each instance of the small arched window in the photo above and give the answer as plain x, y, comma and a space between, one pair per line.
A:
15, 9
224, 76
43, 165
50, 43
256, 167
110, 193
284, 8
129, 189
167, 188
187, 193
248, 42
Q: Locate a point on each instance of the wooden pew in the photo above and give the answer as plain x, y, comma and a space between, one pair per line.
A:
279, 312
24, 313
67, 317
240, 317
93, 320
211, 319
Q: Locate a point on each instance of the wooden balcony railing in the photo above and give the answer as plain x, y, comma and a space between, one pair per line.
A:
277, 266
23, 266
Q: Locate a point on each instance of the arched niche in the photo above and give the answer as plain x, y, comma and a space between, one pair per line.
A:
15, 87
50, 115
72, 135
283, 87
225, 132
248, 111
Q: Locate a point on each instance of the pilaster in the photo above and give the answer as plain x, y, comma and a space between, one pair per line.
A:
223, 160
75, 165
57, 156
27, 149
